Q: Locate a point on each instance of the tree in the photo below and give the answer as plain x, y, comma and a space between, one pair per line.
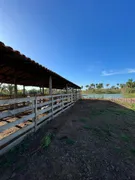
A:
92, 86
33, 91
99, 86
87, 86
118, 85
2, 88
107, 85
130, 83
81, 87
10, 89
113, 87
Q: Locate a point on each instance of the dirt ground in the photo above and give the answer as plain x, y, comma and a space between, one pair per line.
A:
95, 139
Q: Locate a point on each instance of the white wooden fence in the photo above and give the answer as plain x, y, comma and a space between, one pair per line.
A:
25, 115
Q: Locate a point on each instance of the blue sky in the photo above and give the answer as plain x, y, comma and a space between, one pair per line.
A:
86, 41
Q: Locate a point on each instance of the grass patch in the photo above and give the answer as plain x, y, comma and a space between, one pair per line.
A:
133, 106
83, 120
125, 137
45, 142
86, 127
97, 130
70, 141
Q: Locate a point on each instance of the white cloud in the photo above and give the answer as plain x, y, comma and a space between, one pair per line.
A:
111, 72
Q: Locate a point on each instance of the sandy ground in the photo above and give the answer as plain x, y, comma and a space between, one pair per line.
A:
95, 139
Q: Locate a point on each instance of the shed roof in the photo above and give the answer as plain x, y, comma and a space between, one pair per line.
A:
16, 67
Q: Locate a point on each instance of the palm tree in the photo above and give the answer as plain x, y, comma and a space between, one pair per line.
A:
92, 85
2, 88
113, 87
101, 85
130, 83
97, 86
107, 85
10, 89
87, 86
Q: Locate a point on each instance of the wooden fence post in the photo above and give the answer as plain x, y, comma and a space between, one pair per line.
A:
62, 102
35, 111
52, 105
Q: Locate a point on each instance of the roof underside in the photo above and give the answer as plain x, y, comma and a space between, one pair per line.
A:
17, 68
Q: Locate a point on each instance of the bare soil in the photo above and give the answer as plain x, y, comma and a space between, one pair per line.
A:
95, 139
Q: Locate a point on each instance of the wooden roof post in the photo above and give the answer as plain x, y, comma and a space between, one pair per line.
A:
66, 89
50, 85
40, 90
15, 90
23, 90
43, 91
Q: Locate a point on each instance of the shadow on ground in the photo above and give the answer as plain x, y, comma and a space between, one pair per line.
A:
95, 139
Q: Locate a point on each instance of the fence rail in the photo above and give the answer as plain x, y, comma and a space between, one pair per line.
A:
28, 115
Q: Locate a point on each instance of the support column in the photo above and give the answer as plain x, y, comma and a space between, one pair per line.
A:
76, 95
15, 89
43, 91
66, 89
50, 85
23, 90
40, 90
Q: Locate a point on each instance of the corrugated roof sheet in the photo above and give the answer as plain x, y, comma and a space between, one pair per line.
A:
15, 66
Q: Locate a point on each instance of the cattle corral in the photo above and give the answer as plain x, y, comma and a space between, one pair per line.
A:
21, 116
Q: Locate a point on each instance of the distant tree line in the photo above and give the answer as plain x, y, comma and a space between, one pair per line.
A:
128, 87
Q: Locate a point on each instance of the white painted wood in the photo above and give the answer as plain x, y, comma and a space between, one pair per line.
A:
50, 85
63, 105
56, 100
43, 118
14, 135
43, 123
52, 106
35, 111
56, 105
43, 104
16, 100
15, 111
43, 110
57, 110
43, 97
14, 143
19, 121
57, 95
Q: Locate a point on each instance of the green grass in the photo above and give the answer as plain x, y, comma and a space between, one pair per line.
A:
101, 91
133, 106
125, 137
83, 120
129, 95
70, 141
86, 127
45, 142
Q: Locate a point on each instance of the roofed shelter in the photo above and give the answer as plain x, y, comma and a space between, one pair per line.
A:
16, 68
